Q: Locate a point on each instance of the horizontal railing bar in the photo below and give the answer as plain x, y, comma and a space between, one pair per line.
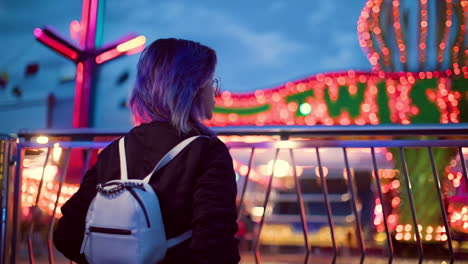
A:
288, 218
67, 144
283, 131
285, 144
349, 143
76, 133
308, 197
352, 130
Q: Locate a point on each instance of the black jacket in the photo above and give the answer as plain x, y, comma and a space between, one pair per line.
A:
196, 190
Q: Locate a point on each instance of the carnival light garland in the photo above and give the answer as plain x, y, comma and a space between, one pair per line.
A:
446, 32
423, 32
398, 33
457, 46
364, 36
380, 56
377, 30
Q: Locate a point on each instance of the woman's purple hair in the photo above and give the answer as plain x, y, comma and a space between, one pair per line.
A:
171, 73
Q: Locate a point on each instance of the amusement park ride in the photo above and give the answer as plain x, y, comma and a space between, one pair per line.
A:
411, 83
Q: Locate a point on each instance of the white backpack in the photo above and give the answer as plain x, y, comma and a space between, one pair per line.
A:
124, 222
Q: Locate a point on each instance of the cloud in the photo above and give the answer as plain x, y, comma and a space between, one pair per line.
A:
258, 47
172, 11
320, 14
342, 58
343, 54
265, 48
276, 6
343, 39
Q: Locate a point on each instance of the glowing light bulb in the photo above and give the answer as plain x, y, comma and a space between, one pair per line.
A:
305, 108
42, 140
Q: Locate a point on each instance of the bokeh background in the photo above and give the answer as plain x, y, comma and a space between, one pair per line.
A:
260, 44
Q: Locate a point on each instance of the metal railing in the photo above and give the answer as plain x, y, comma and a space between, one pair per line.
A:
261, 191
7, 150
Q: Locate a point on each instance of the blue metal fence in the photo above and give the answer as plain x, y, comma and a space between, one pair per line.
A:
311, 199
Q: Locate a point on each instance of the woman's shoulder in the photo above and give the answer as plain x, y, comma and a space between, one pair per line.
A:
163, 134
215, 150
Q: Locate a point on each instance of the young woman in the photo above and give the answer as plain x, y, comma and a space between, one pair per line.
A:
173, 94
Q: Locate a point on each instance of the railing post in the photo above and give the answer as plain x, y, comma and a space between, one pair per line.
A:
354, 206
16, 181
300, 200
244, 188
463, 164
265, 203
36, 204
441, 203
50, 245
7, 148
412, 205
327, 204
384, 210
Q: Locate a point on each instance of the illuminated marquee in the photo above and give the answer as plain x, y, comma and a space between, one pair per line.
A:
351, 98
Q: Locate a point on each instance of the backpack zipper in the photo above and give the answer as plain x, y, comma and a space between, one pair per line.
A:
105, 230
102, 230
128, 186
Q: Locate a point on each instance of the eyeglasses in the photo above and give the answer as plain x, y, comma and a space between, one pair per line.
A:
216, 86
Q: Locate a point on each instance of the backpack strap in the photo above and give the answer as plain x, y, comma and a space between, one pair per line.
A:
169, 156
179, 239
123, 160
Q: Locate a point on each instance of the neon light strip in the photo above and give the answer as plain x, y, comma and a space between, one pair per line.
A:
59, 47
99, 25
129, 47
50, 32
135, 50
84, 23
92, 23
108, 55
79, 91
131, 44
75, 29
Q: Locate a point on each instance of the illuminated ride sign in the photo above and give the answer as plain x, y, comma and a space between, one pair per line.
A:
351, 98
